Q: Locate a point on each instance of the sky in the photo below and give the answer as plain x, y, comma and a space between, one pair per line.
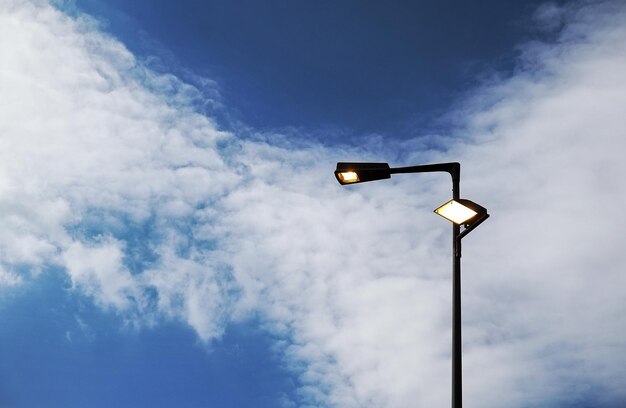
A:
173, 235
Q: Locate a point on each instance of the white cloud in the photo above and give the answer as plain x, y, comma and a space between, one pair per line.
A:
99, 272
97, 149
191, 290
94, 148
8, 278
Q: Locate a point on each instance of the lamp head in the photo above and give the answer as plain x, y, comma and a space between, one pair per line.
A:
351, 173
462, 211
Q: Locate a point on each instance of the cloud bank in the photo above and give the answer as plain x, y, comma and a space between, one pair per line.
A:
109, 172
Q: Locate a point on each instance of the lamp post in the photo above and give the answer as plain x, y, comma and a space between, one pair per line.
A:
461, 212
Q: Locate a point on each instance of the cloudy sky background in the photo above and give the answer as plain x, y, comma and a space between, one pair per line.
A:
169, 252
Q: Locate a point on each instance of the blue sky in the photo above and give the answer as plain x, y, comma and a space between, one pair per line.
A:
173, 234
312, 65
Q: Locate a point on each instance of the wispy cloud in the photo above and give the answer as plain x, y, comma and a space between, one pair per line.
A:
97, 151
107, 170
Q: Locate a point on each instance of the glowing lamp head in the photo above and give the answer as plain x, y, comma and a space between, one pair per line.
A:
351, 173
347, 177
460, 211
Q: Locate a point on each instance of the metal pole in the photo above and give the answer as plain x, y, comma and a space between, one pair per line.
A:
457, 389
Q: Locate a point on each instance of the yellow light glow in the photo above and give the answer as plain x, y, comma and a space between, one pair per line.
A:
348, 177
455, 212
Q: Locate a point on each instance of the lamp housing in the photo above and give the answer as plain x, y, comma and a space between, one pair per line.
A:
462, 211
352, 173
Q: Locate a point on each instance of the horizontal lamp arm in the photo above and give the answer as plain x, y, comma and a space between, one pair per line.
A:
351, 173
453, 168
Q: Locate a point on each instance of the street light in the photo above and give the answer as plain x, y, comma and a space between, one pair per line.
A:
460, 212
